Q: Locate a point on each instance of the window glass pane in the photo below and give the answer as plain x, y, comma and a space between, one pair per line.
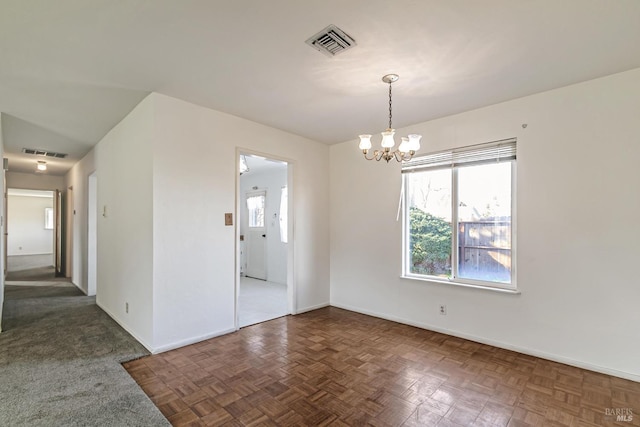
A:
48, 218
255, 204
429, 202
484, 222
284, 204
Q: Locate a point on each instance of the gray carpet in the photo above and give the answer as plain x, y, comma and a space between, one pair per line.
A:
30, 268
60, 361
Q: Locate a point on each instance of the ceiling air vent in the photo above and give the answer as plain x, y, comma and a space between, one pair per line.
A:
331, 41
45, 153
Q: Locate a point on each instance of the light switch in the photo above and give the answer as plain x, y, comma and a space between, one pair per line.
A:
228, 219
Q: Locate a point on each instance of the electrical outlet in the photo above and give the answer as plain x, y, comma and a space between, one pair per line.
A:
126, 307
443, 309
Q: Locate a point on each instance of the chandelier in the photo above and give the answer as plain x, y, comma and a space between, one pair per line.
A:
407, 148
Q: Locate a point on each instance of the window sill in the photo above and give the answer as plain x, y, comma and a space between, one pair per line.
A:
461, 284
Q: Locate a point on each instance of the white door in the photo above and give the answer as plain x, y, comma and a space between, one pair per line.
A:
257, 235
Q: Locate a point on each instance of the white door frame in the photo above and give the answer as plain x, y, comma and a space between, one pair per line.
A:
291, 282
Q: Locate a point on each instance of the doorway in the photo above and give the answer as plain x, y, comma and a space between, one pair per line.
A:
30, 235
264, 289
255, 235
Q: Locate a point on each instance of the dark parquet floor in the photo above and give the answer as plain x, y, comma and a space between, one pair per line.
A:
339, 368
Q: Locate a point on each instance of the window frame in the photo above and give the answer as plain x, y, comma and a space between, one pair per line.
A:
455, 279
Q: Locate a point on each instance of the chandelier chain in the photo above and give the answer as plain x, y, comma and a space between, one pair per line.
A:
390, 115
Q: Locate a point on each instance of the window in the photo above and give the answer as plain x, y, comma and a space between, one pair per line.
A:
255, 204
458, 215
284, 206
48, 218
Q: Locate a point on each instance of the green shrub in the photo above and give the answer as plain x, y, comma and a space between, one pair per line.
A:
430, 243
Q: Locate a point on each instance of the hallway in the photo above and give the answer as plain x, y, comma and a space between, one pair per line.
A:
260, 301
60, 358
30, 268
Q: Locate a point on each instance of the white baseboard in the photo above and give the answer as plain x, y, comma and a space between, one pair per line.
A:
194, 340
499, 344
315, 307
123, 326
190, 341
167, 347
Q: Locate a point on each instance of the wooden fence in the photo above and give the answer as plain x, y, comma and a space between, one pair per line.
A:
484, 250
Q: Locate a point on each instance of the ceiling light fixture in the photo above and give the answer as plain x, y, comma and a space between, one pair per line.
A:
407, 147
42, 166
243, 164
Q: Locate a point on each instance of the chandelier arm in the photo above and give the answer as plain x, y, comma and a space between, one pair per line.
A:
387, 155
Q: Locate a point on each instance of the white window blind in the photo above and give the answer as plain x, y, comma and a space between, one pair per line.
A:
497, 151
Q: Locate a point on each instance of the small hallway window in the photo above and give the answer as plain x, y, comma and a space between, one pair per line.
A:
48, 218
256, 205
284, 209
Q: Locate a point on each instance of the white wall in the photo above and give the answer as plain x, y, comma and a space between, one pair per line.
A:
195, 178
77, 216
25, 217
123, 159
577, 210
32, 181
163, 246
272, 181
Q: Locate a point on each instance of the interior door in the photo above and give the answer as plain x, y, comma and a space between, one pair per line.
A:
58, 234
256, 246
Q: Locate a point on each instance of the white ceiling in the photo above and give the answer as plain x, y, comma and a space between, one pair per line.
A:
260, 165
71, 69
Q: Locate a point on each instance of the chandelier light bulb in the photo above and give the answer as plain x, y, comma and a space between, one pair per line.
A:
414, 142
404, 145
365, 142
387, 138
